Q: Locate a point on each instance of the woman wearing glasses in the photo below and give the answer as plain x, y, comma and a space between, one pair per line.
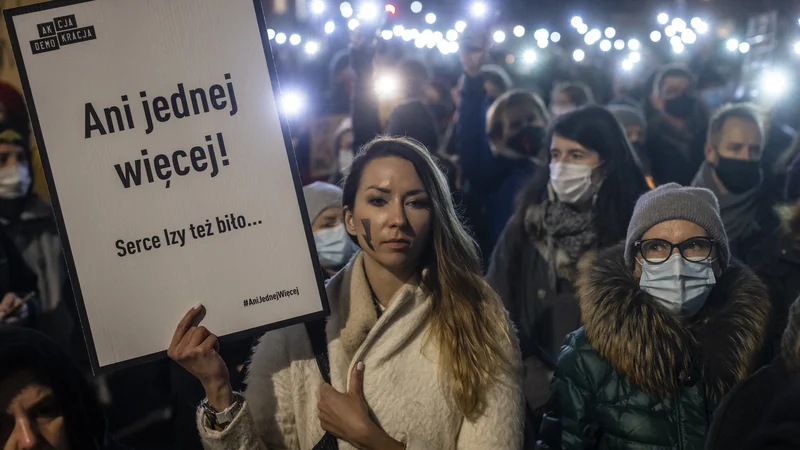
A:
671, 323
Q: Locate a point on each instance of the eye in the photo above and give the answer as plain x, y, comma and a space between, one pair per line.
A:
420, 203
377, 201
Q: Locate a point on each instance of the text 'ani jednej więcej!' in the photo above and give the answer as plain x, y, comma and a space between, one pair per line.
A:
210, 156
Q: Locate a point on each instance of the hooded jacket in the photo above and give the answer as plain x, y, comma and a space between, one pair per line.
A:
400, 380
636, 377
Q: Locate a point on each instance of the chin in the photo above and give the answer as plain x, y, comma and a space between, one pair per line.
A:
398, 260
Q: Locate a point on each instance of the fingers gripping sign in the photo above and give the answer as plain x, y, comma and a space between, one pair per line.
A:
346, 416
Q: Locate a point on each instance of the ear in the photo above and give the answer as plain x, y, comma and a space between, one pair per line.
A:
711, 155
349, 222
656, 101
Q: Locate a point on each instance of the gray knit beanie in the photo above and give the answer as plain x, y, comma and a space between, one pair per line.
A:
321, 196
628, 116
674, 202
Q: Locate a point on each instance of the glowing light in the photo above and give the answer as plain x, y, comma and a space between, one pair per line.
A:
293, 102
280, 38
663, 18
797, 47
555, 36
529, 57
655, 36
451, 35
419, 43
634, 45
353, 24
386, 86
635, 57
688, 36
398, 30
732, 45
679, 24
368, 12
317, 7
675, 40
670, 31
330, 27
702, 28
416, 7
678, 48
271, 34
311, 48
499, 36
619, 44
540, 34
478, 9
593, 36
774, 83
295, 39
583, 28
408, 35
391, 9
578, 55
542, 43
576, 21
610, 32
695, 22
605, 45
627, 65
437, 36
519, 31
386, 34
430, 18
461, 26
744, 47
346, 9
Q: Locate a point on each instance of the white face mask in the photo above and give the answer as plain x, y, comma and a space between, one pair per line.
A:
15, 181
334, 247
679, 286
572, 183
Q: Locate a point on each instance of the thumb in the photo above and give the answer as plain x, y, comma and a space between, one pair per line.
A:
357, 381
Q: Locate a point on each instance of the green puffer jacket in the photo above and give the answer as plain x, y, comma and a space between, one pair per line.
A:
635, 377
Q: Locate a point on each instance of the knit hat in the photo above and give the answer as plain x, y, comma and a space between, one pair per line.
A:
628, 116
321, 196
674, 202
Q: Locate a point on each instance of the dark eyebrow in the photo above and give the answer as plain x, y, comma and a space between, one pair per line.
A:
46, 401
415, 192
380, 189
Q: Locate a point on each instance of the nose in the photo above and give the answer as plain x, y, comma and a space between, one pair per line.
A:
25, 435
397, 215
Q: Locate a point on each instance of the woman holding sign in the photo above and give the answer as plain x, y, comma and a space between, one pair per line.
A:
419, 353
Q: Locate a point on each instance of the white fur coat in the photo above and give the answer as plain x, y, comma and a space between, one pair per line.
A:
401, 380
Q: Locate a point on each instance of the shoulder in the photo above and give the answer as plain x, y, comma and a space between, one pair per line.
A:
580, 360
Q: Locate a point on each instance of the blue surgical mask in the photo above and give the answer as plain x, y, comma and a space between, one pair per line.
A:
679, 286
334, 247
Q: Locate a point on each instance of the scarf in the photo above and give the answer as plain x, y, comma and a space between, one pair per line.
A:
739, 211
563, 227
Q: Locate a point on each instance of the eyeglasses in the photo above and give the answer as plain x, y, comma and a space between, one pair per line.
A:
657, 251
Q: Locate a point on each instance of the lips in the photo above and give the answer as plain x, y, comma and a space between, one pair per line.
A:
397, 243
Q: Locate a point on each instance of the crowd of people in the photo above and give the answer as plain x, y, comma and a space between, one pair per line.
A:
504, 272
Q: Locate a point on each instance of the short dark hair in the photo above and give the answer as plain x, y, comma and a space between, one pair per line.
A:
673, 70
579, 93
744, 111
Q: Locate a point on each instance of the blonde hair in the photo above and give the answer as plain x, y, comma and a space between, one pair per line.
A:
496, 115
467, 321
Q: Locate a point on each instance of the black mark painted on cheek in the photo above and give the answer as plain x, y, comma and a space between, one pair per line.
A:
367, 233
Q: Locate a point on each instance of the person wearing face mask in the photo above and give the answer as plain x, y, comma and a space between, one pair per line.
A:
568, 96
635, 126
677, 122
732, 170
28, 222
580, 203
324, 206
671, 322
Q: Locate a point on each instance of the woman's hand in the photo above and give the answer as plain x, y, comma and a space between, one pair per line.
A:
197, 351
346, 416
13, 310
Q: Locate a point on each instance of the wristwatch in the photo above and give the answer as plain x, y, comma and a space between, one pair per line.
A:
221, 419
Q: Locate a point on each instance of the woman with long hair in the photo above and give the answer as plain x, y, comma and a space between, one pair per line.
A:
418, 352
581, 202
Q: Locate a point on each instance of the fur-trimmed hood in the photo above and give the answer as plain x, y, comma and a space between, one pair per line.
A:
659, 352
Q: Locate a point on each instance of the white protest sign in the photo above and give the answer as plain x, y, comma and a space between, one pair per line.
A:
167, 161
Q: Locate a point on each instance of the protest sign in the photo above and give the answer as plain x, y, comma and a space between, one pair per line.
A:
170, 169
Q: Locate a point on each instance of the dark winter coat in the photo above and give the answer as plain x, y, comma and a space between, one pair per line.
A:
518, 271
675, 156
635, 377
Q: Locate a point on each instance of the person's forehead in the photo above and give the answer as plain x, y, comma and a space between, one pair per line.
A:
674, 231
392, 173
22, 388
739, 126
673, 81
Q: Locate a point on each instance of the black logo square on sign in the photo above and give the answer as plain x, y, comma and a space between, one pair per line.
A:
65, 22
61, 31
46, 29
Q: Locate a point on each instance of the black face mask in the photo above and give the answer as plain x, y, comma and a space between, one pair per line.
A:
738, 175
526, 141
682, 107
